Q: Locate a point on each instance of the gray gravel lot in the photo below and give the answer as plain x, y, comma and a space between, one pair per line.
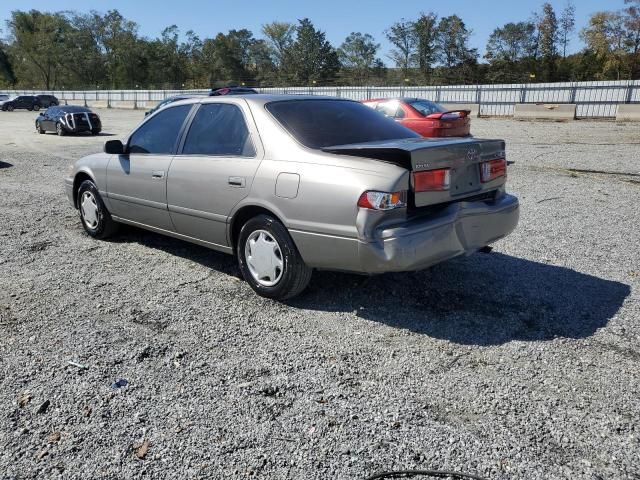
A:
520, 364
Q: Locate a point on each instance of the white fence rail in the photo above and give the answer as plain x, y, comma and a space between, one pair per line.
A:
593, 99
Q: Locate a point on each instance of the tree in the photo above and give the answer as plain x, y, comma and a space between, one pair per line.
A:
454, 51
310, 58
567, 25
279, 39
402, 36
632, 25
512, 42
510, 51
358, 55
426, 36
606, 36
548, 40
38, 38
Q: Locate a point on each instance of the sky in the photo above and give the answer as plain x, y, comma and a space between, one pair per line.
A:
337, 18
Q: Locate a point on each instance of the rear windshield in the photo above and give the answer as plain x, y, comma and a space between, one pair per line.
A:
324, 123
425, 107
75, 109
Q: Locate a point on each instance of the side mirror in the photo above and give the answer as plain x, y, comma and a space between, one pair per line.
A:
114, 147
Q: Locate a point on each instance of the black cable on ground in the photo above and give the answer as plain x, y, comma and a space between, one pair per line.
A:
429, 473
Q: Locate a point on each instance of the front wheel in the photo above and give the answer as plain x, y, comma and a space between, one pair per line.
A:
95, 217
269, 260
10, 108
60, 130
95, 131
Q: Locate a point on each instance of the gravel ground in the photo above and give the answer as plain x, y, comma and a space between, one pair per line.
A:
520, 364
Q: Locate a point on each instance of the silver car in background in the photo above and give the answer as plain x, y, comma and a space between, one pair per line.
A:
292, 183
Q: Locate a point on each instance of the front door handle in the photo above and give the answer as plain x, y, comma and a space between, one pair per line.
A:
237, 182
157, 174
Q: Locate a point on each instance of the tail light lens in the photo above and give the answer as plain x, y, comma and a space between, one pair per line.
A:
493, 169
382, 200
431, 180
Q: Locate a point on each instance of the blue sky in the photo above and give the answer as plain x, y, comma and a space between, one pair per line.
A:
336, 17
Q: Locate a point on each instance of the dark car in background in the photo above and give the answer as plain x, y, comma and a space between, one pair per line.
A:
68, 119
28, 102
47, 101
427, 118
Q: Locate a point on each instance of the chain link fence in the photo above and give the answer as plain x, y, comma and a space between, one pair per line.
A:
593, 99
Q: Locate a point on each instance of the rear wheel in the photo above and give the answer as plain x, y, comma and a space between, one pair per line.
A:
36, 107
95, 217
39, 128
60, 130
269, 260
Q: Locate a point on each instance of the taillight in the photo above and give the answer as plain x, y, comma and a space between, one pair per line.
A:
431, 180
493, 169
382, 200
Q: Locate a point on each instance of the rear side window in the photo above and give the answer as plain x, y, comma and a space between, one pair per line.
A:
324, 123
219, 129
425, 107
159, 134
391, 109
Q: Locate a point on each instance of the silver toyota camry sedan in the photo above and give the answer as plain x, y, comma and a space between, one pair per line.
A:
289, 184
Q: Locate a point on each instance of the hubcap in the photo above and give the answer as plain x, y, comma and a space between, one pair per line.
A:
89, 209
264, 258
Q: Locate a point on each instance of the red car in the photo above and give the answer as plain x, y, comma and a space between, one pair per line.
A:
427, 118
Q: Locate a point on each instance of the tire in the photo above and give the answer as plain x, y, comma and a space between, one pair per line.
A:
36, 107
96, 222
95, 131
40, 129
291, 278
10, 108
30, 108
60, 130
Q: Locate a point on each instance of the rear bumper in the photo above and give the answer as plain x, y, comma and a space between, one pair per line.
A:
460, 229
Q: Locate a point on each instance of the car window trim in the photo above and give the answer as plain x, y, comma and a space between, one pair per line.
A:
177, 142
188, 128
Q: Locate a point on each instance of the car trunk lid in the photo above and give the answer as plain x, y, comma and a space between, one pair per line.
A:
462, 157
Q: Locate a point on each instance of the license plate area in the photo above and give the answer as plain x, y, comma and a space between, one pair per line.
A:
465, 179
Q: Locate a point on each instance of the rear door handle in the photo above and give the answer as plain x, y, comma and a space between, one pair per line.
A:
157, 174
237, 182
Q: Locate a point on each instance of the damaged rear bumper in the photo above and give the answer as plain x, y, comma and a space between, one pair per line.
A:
461, 228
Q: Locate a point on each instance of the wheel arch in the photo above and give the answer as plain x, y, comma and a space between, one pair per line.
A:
244, 214
80, 177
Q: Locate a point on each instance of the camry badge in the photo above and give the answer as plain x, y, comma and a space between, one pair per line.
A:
472, 154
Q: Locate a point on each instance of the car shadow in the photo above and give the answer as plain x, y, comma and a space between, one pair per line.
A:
484, 299
5, 165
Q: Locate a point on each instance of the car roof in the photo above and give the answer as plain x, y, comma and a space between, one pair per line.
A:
262, 98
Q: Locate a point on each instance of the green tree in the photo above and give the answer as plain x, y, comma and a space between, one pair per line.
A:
510, 51
567, 26
632, 26
6, 68
606, 37
402, 36
38, 38
358, 56
455, 54
548, 41
426, 33
311, 58
280, 37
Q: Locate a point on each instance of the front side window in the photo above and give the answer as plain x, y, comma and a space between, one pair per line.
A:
159, 134
219, 129
325, 123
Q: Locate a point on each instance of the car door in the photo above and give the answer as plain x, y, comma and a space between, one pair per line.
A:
46, 121
137, 179
214, 170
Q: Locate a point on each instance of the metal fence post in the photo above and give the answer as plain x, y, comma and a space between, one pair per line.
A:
629, 94
438, 94
523, 94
